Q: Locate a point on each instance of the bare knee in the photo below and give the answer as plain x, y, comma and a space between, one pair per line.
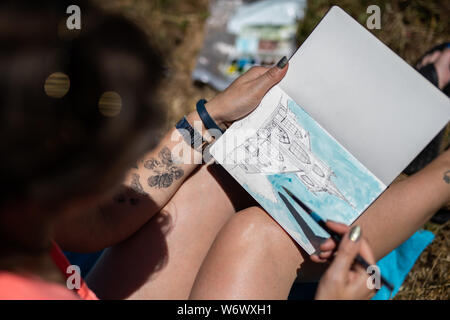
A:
255, 229
252, 258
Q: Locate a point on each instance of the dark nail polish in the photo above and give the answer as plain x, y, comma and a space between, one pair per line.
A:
282, 63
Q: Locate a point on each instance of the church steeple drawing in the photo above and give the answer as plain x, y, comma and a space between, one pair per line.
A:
282, 145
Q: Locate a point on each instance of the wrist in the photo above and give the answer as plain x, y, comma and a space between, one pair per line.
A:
195, 134
216, 112
443, 77
196, 122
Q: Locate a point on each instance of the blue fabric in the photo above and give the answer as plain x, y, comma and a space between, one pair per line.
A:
397, 264
303, 291
84, 260
394, 267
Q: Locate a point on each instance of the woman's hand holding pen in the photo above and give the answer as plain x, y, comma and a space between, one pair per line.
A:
344, 279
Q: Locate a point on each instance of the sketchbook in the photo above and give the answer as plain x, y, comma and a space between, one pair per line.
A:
346, 120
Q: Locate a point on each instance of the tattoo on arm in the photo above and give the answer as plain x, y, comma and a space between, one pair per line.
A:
166, 172
136, 185
122, 199
446, 177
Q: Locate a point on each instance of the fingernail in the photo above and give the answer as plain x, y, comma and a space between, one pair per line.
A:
282, 63
355, 233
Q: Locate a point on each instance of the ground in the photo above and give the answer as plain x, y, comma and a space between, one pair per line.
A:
409, 27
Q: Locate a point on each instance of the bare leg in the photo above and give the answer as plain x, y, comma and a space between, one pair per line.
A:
162, 259
252, 258
257, 260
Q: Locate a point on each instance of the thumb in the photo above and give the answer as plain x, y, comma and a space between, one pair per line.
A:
272, 76
346, 254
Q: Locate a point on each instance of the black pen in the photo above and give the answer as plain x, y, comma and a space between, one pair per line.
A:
335, 236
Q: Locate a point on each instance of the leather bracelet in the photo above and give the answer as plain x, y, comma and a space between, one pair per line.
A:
189, 134
208, 122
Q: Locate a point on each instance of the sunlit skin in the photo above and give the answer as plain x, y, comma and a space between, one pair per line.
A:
202, 247
179, 230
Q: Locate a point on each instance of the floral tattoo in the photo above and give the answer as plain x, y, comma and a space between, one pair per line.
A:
165, 170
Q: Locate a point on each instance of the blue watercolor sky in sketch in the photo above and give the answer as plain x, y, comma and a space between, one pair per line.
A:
354, 181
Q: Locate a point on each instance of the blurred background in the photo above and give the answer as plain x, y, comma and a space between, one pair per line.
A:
408, 27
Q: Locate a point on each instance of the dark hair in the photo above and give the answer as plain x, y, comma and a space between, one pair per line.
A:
55, 150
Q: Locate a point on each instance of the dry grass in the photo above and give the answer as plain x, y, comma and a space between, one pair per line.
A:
430, 278
409, 27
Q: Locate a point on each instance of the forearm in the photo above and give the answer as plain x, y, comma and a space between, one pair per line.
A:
146, 190
161, 172
406, 206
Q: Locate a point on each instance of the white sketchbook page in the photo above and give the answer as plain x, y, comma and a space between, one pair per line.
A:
280, 146
370, 100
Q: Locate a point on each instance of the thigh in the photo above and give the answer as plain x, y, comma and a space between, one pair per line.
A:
162, 259
252, 258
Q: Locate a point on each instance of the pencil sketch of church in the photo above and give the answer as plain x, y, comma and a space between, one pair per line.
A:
282, 145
